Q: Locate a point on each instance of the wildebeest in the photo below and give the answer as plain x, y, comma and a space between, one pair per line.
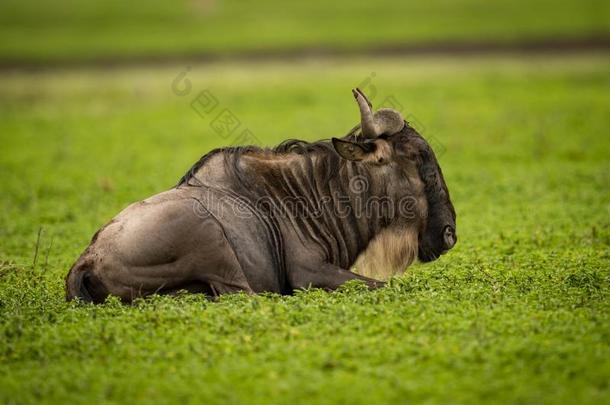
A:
277, 219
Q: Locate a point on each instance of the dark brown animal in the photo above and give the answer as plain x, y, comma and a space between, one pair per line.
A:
296, 216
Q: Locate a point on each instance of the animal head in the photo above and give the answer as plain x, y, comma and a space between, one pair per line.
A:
387, 144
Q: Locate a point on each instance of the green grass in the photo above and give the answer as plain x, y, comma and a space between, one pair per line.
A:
65, 30
517, 312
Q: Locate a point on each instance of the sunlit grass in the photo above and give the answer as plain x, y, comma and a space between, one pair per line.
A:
517, 311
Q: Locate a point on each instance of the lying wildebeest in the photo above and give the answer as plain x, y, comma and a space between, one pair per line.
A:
296, 216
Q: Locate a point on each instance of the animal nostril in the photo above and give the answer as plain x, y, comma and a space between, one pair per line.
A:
449, 237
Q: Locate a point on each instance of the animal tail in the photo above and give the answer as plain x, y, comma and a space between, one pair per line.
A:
81, 283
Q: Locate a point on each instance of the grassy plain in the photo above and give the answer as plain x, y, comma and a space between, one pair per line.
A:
517, 312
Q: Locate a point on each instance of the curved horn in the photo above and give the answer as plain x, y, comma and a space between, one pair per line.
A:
367, 124
385, 120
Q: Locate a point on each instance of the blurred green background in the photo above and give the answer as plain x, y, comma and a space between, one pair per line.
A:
67, 30
96, 112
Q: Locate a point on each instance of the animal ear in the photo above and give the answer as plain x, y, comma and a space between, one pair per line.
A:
354, 151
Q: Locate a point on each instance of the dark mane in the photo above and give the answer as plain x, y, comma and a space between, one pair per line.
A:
289, 146
302, 147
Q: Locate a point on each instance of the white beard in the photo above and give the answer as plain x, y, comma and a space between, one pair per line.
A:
388, 254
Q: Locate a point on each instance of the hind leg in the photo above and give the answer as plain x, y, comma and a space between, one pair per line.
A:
162, 248
212, 269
